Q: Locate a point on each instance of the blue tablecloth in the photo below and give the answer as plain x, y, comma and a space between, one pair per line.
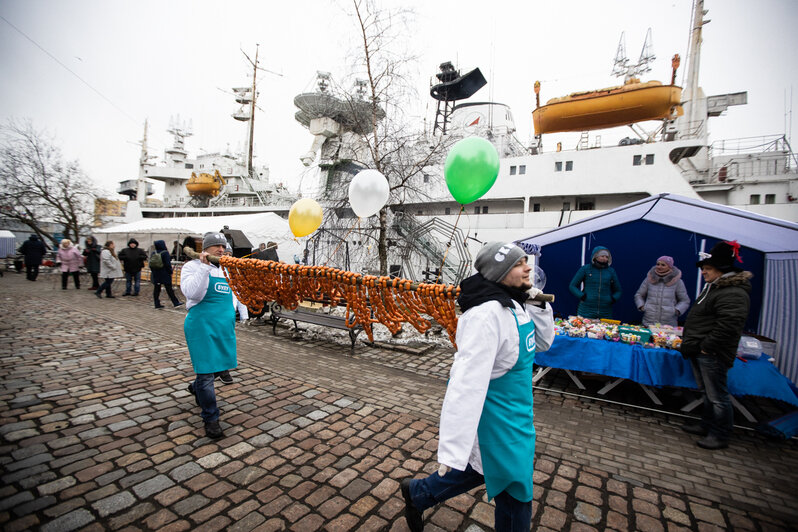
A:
661, 367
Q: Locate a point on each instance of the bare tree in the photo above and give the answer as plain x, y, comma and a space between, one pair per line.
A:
396, 149
39, 186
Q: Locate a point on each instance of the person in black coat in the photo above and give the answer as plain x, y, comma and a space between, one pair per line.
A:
163, 276
92, 253
711, 334
132, 259
33, 249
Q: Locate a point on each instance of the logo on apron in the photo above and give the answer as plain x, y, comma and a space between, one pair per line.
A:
530, 341
222, 288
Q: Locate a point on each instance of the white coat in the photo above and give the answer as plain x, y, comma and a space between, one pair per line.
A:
487, 348
194, 283
109, 265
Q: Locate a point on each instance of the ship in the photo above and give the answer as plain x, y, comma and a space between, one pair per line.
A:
543, 184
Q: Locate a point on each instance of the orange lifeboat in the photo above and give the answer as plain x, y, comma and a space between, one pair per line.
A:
610, 107
205, 184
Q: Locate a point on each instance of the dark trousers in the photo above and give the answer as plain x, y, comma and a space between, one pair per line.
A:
717, 414
156, 294
95, 280
106, 286
206, 396
65, 276
31, 271
510, 515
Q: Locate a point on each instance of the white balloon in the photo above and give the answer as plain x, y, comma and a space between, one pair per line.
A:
368, 193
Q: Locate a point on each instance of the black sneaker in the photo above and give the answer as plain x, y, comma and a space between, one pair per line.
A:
213, 430
413, 516
98, 295
225, 377
191, 391
712, 443
123, 295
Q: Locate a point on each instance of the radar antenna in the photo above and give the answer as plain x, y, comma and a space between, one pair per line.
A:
621, 67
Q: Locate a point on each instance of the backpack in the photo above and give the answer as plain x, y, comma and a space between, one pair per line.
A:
156, 261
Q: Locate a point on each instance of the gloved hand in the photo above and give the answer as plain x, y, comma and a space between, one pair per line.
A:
443, 469
533, 292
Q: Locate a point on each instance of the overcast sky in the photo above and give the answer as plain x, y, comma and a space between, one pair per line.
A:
160, 59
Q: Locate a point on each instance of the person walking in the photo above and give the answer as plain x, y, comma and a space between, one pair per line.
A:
132, 259
268, 252
162, 276
711, 335
487, 434
71, 260
209, 327
33, 250
110, 269
662, 296
92, 253
601, 288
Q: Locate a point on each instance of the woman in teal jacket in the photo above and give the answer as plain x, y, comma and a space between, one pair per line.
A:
599, 284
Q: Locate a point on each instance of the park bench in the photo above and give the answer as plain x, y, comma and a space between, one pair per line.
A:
313, 317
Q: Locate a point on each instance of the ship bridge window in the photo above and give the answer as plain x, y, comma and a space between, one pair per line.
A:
189, 165
558, 166
426, 178
754, 199
536, 207
484, 209
569, 165
770, 199
522, 169
476, 209
637, 160
447, 210
650, 158
512, 170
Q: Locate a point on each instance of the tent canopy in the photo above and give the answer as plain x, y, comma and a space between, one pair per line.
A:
261, 227
667, 224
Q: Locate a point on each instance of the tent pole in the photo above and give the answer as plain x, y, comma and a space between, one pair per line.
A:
698, 277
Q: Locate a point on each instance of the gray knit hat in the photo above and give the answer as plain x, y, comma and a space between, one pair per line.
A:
496, 259
213, 239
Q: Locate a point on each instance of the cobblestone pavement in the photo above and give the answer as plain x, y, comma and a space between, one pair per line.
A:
97, 432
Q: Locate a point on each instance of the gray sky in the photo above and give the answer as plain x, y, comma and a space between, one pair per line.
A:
160, 59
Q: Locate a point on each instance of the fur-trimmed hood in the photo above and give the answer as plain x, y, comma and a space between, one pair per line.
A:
742, 279
670, 278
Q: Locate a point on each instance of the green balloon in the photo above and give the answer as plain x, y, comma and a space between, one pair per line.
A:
471, 168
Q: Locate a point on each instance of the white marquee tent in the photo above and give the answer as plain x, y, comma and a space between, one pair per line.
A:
262, 227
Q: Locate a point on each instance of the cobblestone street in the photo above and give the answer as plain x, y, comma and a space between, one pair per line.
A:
98, 432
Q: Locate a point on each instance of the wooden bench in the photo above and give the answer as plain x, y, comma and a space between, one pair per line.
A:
305, 315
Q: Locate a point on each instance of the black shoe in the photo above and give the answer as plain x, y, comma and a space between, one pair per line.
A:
134, 295
110, 297
191, 391
225, 377
98, 295
123, 295
158, 306
712, 442
178, 304
696, 429
413, 516
213, 430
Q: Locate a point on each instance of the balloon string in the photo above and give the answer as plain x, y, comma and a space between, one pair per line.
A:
449, 244
357, 222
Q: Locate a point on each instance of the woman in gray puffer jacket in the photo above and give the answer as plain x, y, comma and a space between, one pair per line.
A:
662, 296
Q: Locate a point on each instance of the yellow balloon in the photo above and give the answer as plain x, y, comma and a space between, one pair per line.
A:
304, 217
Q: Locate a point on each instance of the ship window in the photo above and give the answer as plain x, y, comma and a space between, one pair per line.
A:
585, 206
754, 200
426, 178
189, 165
420, 212
569, 165
447, 211
566, 205
650, 158
770, 199
522, 169
536, 207
484, 209
476, 209
512, 170
558, 166
637, 160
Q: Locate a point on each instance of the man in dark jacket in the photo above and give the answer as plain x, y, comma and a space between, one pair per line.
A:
33, 249
132, 259
711, 335
601, 286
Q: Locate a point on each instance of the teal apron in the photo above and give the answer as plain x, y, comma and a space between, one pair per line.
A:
210, 329
506, 430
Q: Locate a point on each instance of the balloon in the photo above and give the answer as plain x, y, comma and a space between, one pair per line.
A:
304, 217
368, 192
471, 168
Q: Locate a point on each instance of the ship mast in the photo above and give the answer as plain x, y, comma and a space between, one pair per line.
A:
250, 170
695, 116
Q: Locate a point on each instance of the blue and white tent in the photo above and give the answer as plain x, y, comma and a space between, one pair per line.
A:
667, 224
